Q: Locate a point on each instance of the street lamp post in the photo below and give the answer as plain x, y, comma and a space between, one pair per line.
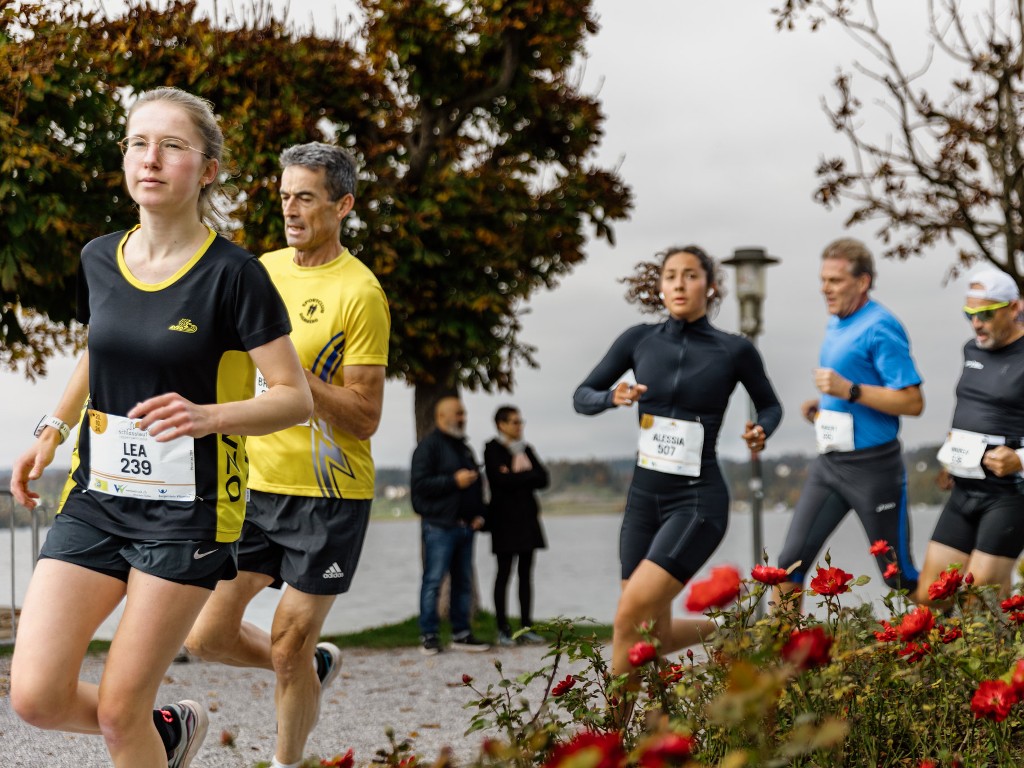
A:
750, 264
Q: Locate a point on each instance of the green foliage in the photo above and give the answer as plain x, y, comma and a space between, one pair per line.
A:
476, 147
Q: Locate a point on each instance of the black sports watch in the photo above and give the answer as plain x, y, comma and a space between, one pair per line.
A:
854, 393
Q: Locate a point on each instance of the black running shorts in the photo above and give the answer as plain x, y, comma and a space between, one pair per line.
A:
197, 563
678, 531
992, 523
307, 542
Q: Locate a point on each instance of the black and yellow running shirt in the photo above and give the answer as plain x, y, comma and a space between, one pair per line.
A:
189, 334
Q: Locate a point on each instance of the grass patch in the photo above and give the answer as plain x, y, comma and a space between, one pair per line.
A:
406, 634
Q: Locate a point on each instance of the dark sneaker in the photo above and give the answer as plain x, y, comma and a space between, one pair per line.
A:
431, 645
531, 638
194, 723
328, 664
466, 642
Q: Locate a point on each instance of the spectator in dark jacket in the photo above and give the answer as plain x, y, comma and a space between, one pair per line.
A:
447, 494
514, 473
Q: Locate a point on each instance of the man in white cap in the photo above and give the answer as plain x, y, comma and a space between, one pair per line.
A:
982, 525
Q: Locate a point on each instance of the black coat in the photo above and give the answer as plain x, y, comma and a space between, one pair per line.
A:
435, 494
513, 516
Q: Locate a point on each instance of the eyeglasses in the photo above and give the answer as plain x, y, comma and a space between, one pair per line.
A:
171, 151
986, 313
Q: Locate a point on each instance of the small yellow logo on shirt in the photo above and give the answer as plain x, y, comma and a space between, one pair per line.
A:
184, 325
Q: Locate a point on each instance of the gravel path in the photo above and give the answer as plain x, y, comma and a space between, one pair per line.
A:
421, 698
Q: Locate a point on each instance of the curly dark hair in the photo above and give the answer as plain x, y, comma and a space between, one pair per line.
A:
644, 285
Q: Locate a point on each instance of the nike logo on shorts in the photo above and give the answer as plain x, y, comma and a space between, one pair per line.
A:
200, 555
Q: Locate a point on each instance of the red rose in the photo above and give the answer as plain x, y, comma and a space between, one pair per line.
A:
891, 570
807, 648
831, 581
888, 633
768, 575
672, 674
969, 579
606, 748
561, 688
667, 749
880, 547
947, 636
720, 588
914, 652
1017, 678
1017, 617
340, 761
1013, 603
993, 700
466, 679
915, 623
944, 586
641, 653
928, 764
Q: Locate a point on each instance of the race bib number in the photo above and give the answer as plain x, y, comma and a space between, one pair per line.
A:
672, 446
127, 461
833, 431
961, 454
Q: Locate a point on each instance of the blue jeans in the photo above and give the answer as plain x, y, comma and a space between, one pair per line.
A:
446, 550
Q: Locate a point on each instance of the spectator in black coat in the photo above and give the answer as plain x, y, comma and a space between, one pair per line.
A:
514, 474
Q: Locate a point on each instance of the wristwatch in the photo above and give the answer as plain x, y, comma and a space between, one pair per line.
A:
53, 421
854, 393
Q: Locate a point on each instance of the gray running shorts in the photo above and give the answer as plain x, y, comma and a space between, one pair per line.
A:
187, 561
307, 542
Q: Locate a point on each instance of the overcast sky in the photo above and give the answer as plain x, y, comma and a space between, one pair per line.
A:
716, 119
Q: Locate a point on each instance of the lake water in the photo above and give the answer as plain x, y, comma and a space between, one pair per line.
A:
578, 575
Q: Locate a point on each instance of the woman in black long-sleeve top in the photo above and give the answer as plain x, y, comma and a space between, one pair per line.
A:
678, 504
514, 474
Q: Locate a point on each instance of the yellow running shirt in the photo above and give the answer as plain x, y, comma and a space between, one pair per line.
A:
339, 317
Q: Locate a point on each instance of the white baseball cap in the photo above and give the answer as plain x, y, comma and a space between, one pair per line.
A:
994, 284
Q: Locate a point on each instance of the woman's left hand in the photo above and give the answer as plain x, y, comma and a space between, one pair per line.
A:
754, 437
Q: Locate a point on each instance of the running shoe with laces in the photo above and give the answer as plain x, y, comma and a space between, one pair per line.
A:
327, 658
194, 723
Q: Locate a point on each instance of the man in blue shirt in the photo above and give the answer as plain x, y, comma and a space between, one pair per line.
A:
867, 380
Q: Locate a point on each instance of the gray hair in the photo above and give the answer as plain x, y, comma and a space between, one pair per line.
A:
339, 166
200, 111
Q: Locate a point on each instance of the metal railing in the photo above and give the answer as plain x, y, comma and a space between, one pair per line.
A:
38, 515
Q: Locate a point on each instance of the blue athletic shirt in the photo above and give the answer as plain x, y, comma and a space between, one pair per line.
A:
868, 347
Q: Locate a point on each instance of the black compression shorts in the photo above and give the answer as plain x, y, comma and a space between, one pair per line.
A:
992, 523
678, 531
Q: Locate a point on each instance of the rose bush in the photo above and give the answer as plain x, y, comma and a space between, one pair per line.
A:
911, 689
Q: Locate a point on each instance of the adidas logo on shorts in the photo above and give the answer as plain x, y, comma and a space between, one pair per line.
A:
334, 572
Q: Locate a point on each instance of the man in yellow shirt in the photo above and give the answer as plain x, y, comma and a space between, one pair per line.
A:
311, 486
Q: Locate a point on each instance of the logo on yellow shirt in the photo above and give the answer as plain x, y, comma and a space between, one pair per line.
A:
311, 310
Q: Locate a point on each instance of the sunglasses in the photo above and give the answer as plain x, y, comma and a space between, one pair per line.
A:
986, 313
